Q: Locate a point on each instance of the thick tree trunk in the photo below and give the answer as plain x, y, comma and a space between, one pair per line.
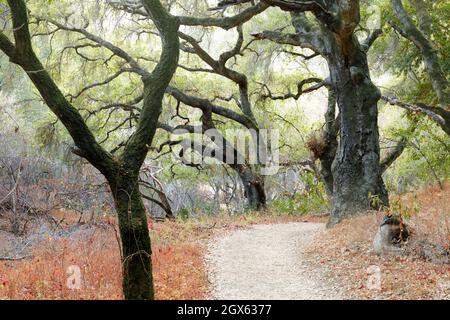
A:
253, 187
356, 168
134, 233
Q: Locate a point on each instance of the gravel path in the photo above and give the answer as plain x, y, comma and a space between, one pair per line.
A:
265, 262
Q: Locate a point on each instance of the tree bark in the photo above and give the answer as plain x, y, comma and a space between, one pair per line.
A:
135, 238
356, 168
253, 187
331, 143
439, 115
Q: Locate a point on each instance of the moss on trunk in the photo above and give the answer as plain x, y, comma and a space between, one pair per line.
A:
135, 238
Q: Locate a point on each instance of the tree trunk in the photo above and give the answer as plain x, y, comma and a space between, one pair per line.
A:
356, 168
253, 187
136, 247
331, 143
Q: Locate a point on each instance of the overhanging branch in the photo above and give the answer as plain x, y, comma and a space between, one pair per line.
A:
438, 115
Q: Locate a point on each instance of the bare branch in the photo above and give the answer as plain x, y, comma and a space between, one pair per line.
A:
225, 22
438, 115
319, 84
103, 43
434, 70
371, 39
23, 55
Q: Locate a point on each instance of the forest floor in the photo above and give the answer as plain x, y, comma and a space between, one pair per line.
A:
265, 255
48, 252
344, 253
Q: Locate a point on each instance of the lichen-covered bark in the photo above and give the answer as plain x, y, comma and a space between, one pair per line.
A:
331, 143
356, 168
134, 235
423, 16
440, 116
155, 85
253, 187
137, 271
356, 172
393, 154
225, 22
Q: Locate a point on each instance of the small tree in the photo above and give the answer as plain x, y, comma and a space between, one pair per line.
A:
121, 172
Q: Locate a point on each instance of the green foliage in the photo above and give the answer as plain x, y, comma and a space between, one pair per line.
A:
313, 200
183, 214
263, 62
401, 210
375, 200
46, 135
396, 55
426, 159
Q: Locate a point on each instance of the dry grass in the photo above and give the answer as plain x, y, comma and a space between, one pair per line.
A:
44, 276
178, 265
346, 253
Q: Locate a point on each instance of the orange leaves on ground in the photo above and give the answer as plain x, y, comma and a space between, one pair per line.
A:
178, 268
178, 265
345, 254
45, 276
181, 267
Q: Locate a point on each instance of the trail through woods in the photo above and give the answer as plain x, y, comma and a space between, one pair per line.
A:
265, 262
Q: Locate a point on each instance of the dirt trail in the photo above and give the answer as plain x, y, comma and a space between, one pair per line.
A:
265, 262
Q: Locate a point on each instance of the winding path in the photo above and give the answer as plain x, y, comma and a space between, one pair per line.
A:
265, 262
